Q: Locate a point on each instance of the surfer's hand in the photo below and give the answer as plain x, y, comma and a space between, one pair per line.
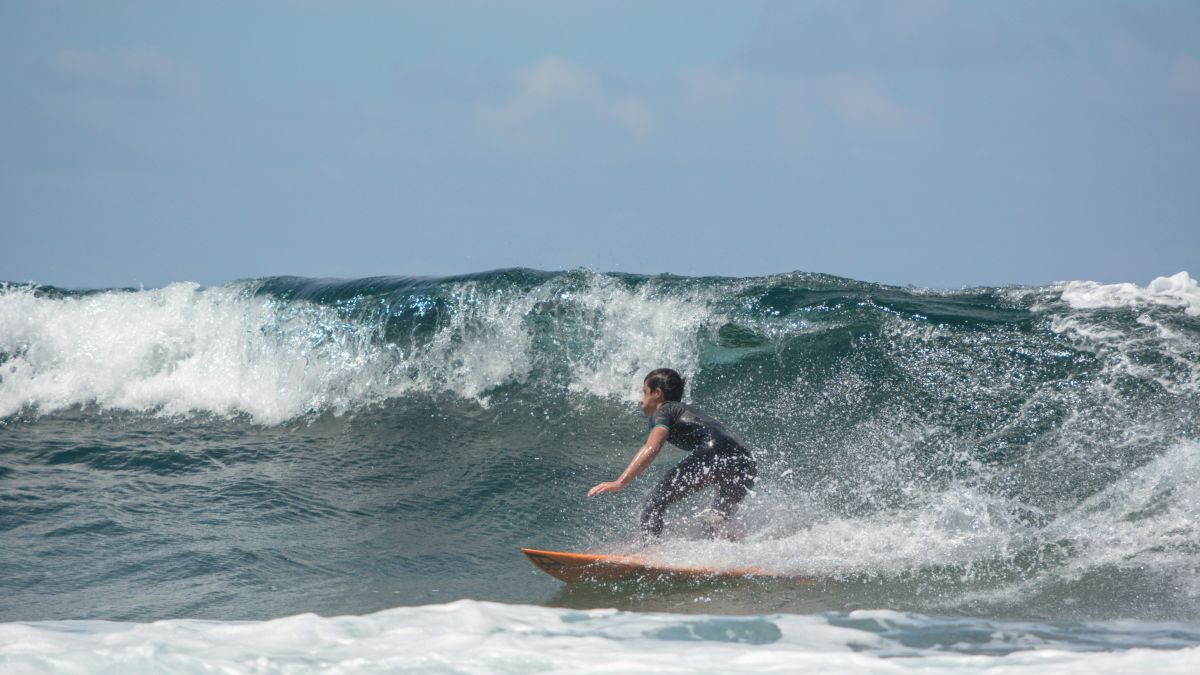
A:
610, 486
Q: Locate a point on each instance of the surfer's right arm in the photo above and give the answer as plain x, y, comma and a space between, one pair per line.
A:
641, 461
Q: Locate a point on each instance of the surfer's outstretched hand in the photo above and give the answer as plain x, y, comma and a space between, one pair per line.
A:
643, 458
608, 486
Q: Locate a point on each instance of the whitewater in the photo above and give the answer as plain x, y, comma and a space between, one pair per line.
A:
311, 475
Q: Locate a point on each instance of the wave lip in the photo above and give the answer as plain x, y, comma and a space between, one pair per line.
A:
1177, 290
278, 348
174, 350
275, 349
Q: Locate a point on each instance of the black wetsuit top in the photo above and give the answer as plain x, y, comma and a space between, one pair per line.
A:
693, 430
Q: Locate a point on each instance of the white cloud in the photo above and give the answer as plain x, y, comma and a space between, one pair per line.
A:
115, 106
863, 102
556, 103
140, 73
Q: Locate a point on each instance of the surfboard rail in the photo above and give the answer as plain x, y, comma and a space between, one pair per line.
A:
575, 567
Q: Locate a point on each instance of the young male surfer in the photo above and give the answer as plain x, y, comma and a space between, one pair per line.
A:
718, 456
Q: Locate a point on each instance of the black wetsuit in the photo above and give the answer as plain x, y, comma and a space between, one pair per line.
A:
719, 457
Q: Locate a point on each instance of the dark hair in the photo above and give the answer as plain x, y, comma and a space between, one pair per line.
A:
668, 381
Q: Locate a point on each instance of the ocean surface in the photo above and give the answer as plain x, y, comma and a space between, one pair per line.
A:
312, 475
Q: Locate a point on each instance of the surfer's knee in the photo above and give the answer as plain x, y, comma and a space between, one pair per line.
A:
734, 487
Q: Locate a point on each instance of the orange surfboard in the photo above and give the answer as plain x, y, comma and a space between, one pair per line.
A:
571, 567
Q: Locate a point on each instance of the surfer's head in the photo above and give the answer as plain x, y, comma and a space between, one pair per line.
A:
667, 381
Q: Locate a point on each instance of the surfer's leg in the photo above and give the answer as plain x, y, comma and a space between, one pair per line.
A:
686, 478
734, 475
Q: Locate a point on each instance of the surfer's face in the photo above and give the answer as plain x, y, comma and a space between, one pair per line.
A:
651, 400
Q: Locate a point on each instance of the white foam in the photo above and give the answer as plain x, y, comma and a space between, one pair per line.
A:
480, 637
636, 331
182, 349
959, 526
1149, 520
1177, 290
1118, 347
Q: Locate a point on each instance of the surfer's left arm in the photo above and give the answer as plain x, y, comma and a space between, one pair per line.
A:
641, 461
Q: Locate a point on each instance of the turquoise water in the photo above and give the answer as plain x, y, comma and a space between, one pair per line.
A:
280, 446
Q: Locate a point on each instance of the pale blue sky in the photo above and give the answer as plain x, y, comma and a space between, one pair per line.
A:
921, 142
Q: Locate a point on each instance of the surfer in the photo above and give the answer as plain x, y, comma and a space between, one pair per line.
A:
718, 456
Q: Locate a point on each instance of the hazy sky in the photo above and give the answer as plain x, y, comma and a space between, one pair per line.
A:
917, 142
